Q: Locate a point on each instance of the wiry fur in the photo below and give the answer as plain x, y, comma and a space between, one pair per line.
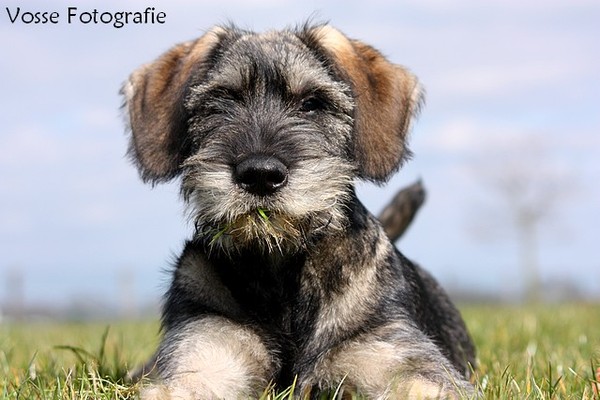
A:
299, 282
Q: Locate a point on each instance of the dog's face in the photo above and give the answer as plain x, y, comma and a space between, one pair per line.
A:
269, 130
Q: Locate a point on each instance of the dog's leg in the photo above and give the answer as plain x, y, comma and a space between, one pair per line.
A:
394, 362
211, 358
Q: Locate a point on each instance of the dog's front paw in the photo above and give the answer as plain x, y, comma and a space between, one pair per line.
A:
190, 390
163, 392
425, 390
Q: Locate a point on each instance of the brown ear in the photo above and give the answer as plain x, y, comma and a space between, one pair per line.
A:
154, 96
387, 98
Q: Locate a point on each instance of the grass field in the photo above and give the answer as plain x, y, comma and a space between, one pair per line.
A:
533, 352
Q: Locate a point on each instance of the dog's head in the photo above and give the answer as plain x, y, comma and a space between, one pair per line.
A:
269, 130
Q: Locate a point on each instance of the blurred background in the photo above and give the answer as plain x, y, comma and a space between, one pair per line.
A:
507, 146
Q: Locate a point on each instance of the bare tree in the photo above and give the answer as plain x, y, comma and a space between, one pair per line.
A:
527, 189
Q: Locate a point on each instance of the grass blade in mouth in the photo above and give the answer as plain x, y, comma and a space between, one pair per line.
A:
218, 235
263, 214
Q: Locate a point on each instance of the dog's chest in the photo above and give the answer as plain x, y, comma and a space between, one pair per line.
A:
267, 292
273, 298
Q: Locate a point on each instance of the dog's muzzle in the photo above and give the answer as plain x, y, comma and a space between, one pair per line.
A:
261, 175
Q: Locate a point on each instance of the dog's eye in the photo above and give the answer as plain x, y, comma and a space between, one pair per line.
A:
312, 104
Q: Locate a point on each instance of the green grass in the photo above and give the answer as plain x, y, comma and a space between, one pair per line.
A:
72, 360
534, 352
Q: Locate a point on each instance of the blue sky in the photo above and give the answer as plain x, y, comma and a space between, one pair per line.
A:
512, 86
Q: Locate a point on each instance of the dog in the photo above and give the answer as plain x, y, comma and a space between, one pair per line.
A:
288, 279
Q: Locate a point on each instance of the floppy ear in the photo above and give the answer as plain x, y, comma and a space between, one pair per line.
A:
387, 98
154, 97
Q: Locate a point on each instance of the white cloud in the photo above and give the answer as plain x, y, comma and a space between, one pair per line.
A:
458, 135
96, 213
465, 135
520, 6
469, 136
100, 117
28, 144
15, 222
499, 80
32, 146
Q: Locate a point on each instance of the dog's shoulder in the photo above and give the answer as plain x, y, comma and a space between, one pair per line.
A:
196, 288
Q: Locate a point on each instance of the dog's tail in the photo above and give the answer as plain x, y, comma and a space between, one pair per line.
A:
399, 213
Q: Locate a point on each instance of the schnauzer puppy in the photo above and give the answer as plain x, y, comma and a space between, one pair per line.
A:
288, 278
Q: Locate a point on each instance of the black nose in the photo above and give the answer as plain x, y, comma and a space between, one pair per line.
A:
260, 174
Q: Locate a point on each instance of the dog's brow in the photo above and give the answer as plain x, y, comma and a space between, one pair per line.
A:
228, 92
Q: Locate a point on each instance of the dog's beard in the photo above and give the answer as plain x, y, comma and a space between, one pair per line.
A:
263, 231
231, 220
